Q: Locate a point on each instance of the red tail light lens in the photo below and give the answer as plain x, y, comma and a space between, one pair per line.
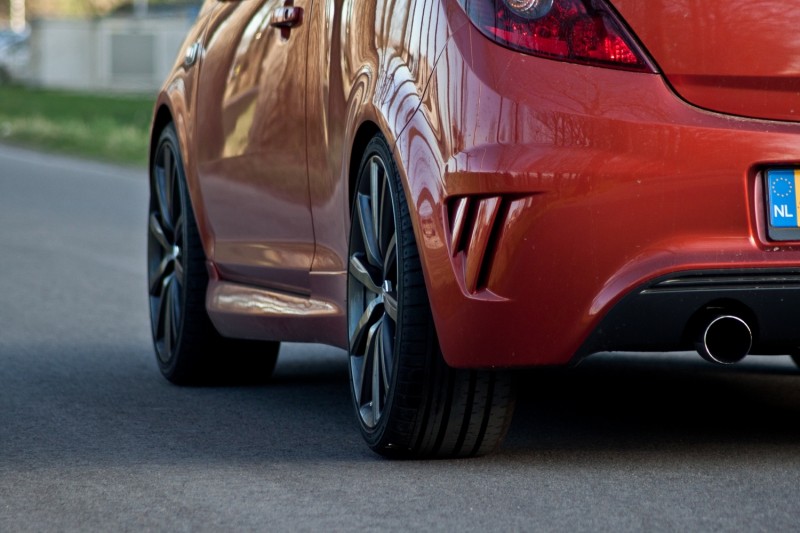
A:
578, 31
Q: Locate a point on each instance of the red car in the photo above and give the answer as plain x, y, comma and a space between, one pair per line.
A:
450, 189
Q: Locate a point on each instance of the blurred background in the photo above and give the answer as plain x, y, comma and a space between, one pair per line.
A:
92, 44
79, 76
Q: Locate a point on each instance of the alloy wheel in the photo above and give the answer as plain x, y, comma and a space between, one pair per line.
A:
372, 292
166, 240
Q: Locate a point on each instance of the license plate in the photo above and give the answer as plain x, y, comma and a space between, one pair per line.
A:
782, 204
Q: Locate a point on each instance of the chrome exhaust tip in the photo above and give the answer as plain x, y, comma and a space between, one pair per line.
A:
726, 340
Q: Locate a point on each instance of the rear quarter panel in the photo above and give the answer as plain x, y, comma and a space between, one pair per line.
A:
369, 65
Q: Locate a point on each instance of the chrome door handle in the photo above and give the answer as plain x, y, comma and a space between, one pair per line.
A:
192, 54
286, 17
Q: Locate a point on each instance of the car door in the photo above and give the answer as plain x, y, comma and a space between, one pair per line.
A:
251, 143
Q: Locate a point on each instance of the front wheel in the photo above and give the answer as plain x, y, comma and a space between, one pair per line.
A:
408, 401
189, 350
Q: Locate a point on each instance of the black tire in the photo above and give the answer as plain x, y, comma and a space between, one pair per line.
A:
189, 350
409, 403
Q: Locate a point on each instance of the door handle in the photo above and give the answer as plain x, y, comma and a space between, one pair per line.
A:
192, 54
286, 17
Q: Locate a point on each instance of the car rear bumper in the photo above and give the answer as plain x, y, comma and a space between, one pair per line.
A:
672, 312
561, 197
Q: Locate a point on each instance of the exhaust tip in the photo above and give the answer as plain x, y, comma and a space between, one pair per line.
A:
726, 340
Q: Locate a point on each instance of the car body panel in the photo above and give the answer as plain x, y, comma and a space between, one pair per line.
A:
376, 86
541, 193
176, 103
610, 180
250, 156
738, 57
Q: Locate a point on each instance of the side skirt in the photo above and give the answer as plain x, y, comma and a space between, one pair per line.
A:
256, 313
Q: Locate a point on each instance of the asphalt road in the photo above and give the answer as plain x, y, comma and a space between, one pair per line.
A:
92, 438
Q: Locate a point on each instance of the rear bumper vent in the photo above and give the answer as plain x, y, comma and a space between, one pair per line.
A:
476, 225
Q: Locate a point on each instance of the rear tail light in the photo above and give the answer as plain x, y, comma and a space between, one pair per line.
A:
578, 31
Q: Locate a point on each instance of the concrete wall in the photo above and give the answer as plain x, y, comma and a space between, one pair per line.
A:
117, 54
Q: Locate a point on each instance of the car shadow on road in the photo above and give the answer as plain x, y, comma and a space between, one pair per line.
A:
641, 402
114, 409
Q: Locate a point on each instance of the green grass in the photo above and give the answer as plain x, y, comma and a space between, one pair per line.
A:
102, 127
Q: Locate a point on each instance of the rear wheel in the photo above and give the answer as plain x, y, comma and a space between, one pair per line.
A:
408, 401
188, 348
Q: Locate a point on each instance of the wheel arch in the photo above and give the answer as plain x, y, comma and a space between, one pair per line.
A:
161, 118
366, 131
420, 172
171, 108
421, 158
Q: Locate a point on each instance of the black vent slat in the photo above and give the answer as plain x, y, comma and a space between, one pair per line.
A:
743, 281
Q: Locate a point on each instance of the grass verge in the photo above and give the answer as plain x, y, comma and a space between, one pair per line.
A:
109, 128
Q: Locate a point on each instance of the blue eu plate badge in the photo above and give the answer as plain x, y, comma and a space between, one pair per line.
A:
782, 188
